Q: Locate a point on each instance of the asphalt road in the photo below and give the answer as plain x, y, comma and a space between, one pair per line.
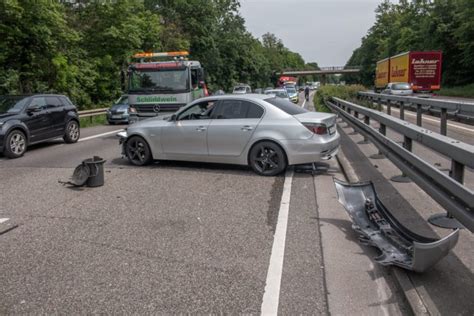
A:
173, 237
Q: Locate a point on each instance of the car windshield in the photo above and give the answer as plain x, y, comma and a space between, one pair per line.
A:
401, 86
9, 104
286, 106
290, 90
240, 89
122, 100
159, 80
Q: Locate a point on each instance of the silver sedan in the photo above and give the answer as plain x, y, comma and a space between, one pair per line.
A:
265, 132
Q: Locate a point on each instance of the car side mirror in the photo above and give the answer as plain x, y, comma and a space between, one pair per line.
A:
34, 108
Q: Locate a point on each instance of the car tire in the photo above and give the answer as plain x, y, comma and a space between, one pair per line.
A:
267, 159
137, 151
72, 133
15, 145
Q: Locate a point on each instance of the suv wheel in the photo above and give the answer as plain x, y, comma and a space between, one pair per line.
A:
72, 132
15, 145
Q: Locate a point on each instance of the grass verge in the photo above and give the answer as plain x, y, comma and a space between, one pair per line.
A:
93, 121
466, 91
347, 92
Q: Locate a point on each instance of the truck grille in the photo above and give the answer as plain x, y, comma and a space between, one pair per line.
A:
157, 108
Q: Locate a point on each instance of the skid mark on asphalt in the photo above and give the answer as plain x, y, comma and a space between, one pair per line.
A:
271, 295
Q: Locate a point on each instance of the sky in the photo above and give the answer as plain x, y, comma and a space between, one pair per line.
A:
324, 31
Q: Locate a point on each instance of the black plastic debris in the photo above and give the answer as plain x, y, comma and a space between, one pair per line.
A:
379, 228
90, 172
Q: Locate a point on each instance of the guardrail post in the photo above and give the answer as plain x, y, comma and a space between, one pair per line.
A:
407, 144
402, 110
419, 114
366, 140
389, 107
379, 105
356, 114
444, 121
446, 220
383, 131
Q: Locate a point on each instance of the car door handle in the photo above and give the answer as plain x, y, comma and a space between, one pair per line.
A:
201, 129
247, 128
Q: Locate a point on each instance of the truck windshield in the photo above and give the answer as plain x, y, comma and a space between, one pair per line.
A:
166, 80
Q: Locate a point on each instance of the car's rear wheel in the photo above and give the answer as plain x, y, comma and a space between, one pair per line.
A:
267, 159
72, 133
138, 152
15, 146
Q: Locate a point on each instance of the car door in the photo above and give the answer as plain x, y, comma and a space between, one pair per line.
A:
187, 135
233, 124
39, 121
58, 115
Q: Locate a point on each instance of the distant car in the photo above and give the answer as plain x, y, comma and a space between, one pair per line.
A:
219, 92
281, 93
292, 93
236, 130
267, 88
258, 91
301, 88
118, 113
398, 88
27, 120
242, 89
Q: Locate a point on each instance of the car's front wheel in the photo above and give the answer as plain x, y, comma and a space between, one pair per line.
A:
15, 145
267, 159
137, 151
72, 133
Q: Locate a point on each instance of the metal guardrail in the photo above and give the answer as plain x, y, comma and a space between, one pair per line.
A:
445, 109
90, 113
448, 191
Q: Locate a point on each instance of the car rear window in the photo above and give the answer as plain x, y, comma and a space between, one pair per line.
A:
401, 86
286, 106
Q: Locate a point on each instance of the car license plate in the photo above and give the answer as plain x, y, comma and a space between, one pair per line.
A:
332, 129
116, 116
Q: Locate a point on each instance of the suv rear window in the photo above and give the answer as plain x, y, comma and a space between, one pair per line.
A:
286, 106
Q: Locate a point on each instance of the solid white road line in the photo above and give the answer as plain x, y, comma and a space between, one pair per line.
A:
271, 295
437, 121
99, 135
3, 220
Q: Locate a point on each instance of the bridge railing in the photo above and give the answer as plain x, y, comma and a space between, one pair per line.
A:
445, 109
448, 190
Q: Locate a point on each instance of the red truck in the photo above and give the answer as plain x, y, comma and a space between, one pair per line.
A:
422, 70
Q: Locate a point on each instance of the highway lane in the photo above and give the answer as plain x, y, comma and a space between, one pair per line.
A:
173, 237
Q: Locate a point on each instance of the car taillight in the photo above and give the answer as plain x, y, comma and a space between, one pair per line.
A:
319, 129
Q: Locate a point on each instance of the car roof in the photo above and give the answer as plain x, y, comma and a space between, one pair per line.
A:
247, 96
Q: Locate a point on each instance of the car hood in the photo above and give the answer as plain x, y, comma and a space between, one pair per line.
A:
151, 122
117, 107
5, 116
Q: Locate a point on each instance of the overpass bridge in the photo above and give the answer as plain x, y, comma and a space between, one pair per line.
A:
322, 71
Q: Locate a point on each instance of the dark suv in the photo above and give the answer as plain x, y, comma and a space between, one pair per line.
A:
27, 120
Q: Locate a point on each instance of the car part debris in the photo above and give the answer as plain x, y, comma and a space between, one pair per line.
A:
379, 228
90, 172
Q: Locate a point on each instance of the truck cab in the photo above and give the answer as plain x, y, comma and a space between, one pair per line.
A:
155, 86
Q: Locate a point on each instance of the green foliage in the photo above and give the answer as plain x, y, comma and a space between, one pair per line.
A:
420, 25
82, 48
347, 92
466, 91
93, 121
